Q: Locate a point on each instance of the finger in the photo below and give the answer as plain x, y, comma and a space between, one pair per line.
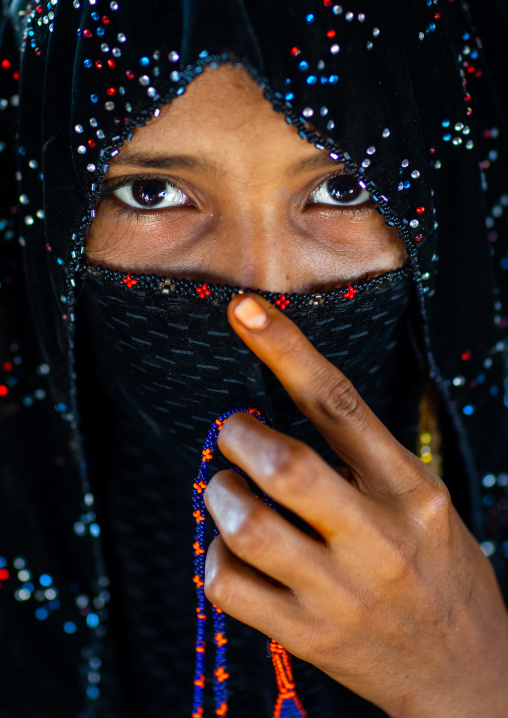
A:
241, 592
293, 475
320, 391
261, 537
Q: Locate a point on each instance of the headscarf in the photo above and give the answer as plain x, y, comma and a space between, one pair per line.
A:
400, 93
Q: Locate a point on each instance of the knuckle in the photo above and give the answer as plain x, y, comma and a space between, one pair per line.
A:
342, 401
436, 504
250, 536
291, 467
219, 587
289, 342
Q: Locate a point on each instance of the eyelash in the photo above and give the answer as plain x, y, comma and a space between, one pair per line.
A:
122, 209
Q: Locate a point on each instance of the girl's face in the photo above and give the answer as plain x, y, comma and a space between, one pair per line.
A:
220, 188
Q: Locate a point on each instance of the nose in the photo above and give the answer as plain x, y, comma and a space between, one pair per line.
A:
257, 247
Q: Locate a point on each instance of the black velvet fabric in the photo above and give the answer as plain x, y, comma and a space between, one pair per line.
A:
96, 605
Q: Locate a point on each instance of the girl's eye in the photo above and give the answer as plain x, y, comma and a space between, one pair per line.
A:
150, 194
341, 190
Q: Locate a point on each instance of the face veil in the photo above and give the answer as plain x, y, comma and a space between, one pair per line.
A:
401, 93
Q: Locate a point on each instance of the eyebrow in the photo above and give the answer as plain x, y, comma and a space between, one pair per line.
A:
315, 162
136, 158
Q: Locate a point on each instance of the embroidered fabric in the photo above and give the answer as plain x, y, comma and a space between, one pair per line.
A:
100, 601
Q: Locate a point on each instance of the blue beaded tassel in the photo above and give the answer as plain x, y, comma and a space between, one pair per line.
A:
287, 704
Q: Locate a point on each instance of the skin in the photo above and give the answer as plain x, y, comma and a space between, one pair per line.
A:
392, 595
249, 219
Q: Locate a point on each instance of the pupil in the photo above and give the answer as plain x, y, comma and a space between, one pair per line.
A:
343, 188
148, 193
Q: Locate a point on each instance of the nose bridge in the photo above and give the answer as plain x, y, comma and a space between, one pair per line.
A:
259, 245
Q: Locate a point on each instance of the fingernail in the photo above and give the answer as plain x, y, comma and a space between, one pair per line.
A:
250, 313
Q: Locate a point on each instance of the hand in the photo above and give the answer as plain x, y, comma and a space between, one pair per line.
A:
394, 598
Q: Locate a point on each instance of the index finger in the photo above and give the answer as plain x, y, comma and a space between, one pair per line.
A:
319, 389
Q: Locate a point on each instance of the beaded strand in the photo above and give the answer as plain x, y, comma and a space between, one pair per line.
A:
287, 704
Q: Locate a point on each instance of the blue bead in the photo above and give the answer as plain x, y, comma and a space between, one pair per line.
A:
95, 16
45, 580
69, 627
100, 31
144, 61
333, 79
303, 65
94, 97
87, 63
310, 17
92, 620
3, 562
504, 263
92, 692
311, 80
468, 409
41, 614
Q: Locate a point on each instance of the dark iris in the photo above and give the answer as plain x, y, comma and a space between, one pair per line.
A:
343, 188
148, 192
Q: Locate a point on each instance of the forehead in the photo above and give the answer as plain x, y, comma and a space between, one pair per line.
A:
222, 112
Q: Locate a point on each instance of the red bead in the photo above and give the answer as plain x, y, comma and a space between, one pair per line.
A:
4, 574
466, 356
39, 10
87, 33
420, 210
295, 51
98, 64
15, 75
92, 143
437, 16
105, 19
419, 237
129, 281
432, 150
130, 74
110, 91
330, 33
8, 366
111, 63
3, 390
5, 64
282, 303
